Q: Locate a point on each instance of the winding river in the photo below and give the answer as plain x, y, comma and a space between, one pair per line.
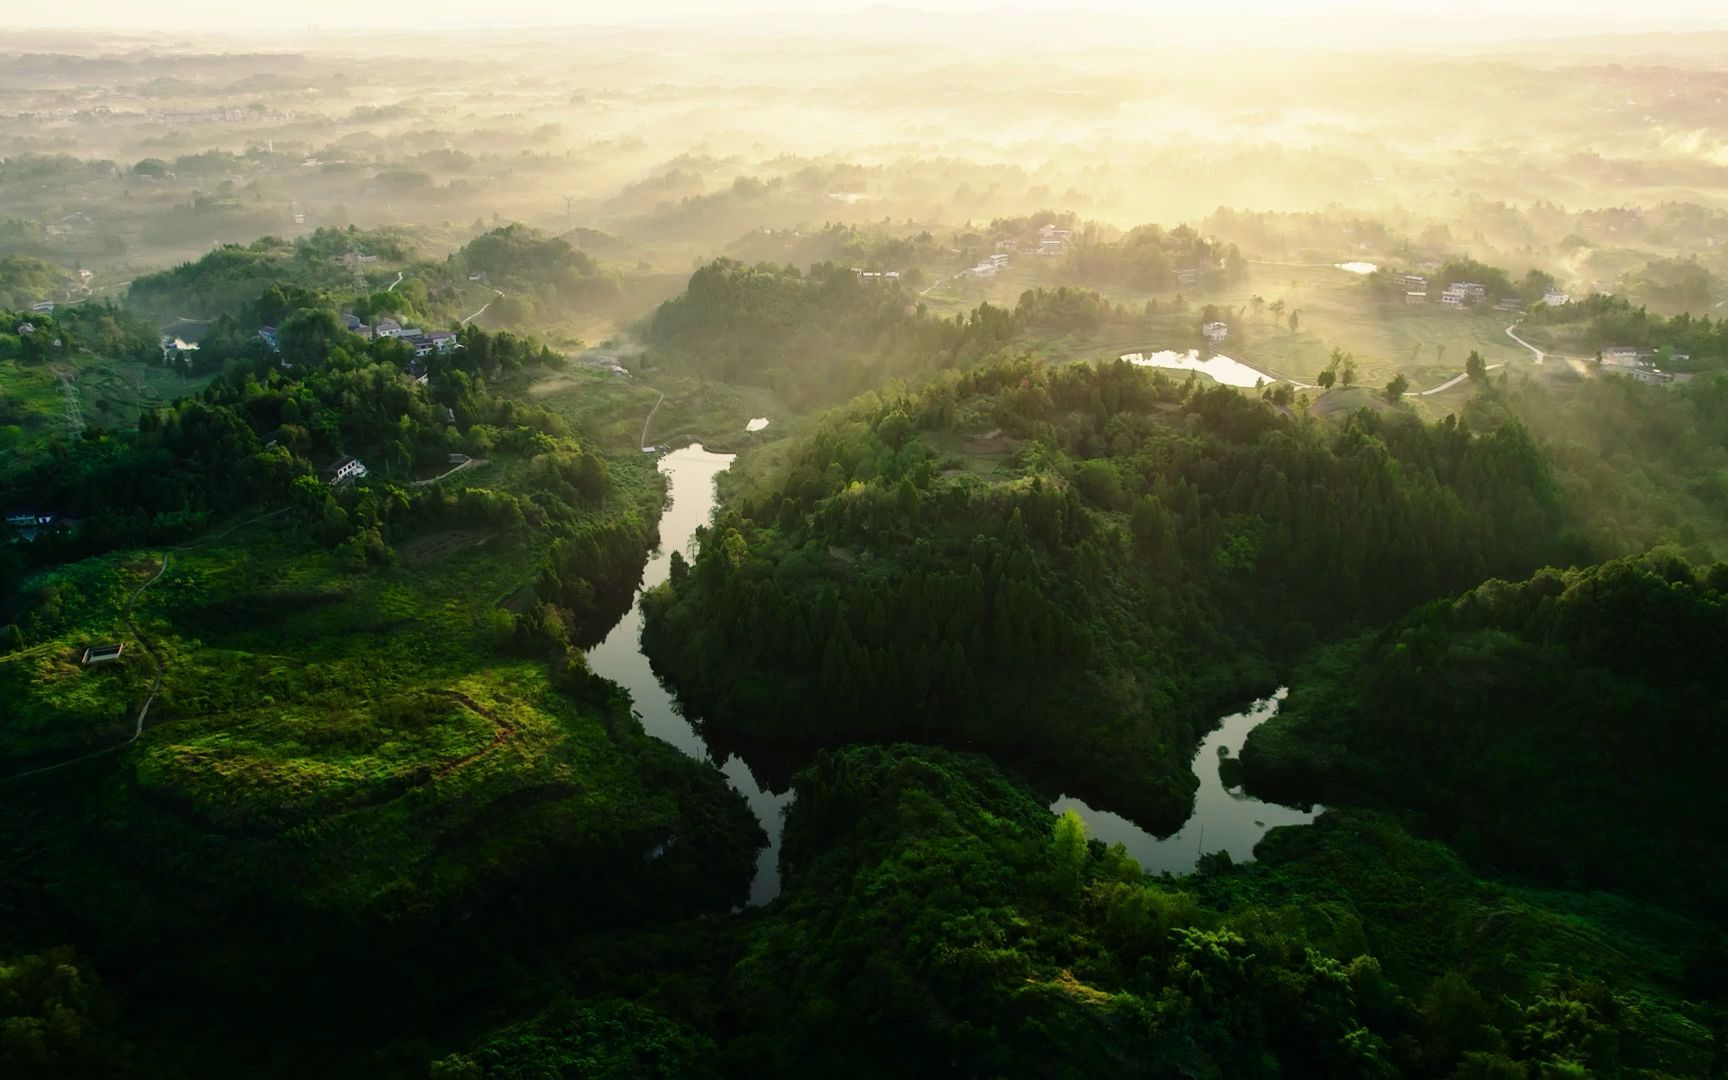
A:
691, 472
1224, 819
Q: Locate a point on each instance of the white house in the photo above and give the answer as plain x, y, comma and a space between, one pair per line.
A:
1416, 297
1556, 298
346, 469
1216, 331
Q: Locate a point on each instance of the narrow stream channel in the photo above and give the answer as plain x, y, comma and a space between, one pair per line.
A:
1224, 819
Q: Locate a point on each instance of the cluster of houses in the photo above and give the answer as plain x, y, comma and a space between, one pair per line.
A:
26, 524
1463, 294
1637, 363
423, 343
1050, 241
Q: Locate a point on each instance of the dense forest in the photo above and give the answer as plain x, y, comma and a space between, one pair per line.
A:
937, 918
1536, 698
1149, 548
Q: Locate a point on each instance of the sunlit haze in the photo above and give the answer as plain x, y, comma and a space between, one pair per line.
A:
798, 538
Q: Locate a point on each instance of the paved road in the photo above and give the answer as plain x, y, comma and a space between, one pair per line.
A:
1453, 381
482, 310
1538, 354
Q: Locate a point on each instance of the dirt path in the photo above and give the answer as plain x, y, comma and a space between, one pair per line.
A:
644, 440
505, 729
74, 409
395, 283
470, 463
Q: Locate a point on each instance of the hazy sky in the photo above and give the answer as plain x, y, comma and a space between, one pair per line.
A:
407, 15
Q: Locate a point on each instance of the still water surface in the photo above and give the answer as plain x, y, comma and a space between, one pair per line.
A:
691, 472
1224, 819
1221, 368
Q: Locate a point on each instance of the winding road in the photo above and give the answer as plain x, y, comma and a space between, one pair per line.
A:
1453, 381
1537, 354
483, 308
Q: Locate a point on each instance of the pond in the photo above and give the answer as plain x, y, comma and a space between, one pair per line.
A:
757, 423
1220, 368
691, 472
1224, 819
1357, 267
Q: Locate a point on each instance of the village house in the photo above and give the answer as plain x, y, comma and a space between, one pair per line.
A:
1556, 298
387, 327
174, 348
1187, 275
344, 470
267, 334
1414, 283
1621, 354
1216, 331
1415, 297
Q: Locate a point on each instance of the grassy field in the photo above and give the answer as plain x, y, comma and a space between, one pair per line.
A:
613, 408
108, 393
347, 730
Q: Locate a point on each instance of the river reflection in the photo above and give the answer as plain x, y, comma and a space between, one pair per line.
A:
690, 472
1224, 819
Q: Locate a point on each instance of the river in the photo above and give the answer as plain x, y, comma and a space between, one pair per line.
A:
1224, 819
691, 472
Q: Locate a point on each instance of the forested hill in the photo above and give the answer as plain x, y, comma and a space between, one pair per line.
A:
1572, 725
233, 275
527, 276
1079, 561
818, 338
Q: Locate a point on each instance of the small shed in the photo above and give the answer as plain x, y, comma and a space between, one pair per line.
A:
102, 654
